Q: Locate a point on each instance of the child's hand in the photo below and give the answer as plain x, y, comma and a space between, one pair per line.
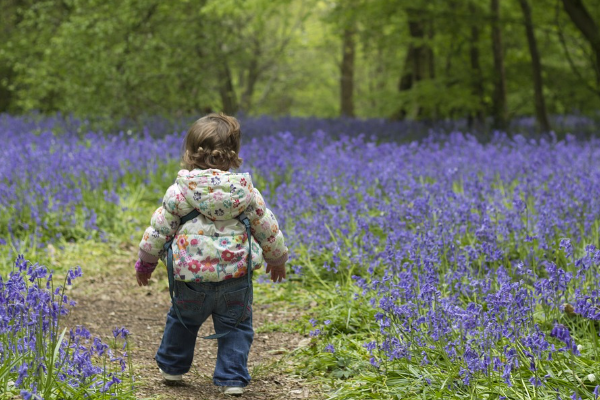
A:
277, 272
143, 277
143, 272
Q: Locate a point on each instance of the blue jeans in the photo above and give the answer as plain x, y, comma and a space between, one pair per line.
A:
196, 301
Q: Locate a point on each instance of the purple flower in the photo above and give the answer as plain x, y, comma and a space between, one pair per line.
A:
122, 332
27, 395
535, 381
32, 312
113, 380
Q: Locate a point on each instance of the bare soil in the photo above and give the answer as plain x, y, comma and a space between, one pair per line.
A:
112, 300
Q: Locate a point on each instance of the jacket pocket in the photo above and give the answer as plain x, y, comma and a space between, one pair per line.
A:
235, 303
187, 298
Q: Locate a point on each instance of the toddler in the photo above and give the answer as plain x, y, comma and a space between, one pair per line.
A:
210, 252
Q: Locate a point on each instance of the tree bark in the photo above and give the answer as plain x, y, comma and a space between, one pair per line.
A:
226, 90
250, 77
347, 73
422, 53
406, 81
499, 107
476, 119
587, 26
407, 78
536, 66
419, 62
6, 74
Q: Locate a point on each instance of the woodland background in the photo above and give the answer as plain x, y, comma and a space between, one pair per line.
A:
398, 59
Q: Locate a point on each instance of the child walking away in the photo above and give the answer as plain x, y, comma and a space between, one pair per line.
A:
200, 233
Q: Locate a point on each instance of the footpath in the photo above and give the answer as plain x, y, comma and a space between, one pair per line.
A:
113, 299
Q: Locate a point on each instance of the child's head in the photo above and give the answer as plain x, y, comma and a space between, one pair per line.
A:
212, 142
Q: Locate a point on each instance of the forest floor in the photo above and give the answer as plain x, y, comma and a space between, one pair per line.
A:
113, 299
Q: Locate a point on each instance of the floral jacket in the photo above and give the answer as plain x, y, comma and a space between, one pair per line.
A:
213, 247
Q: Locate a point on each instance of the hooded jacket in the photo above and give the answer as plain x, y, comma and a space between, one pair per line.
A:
213, 247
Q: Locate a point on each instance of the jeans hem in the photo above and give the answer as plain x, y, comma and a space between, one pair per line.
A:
171, 371
229, 383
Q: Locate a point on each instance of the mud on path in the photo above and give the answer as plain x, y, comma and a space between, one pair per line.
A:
107, 301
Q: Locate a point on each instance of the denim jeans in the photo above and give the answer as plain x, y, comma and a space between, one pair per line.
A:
196, 301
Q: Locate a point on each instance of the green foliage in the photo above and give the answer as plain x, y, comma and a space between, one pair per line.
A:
134, 57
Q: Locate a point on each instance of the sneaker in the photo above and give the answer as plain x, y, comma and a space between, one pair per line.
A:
232, 390
171, 379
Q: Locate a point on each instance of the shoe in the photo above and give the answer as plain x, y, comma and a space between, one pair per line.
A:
171, 379
232, 390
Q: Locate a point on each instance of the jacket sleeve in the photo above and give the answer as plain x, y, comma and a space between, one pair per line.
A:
266, 232
163, 225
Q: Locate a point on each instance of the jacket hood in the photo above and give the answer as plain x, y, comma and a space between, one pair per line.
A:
218, 195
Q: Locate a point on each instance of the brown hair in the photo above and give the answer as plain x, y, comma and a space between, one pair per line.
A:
212, 142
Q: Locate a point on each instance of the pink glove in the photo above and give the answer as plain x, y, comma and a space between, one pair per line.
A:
143, 271
145, 267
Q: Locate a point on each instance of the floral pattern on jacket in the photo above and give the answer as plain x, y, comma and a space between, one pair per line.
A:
213, 246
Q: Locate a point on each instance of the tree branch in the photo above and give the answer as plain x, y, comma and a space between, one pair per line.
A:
563, 42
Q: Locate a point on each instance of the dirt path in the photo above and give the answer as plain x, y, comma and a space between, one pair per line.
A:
108, 301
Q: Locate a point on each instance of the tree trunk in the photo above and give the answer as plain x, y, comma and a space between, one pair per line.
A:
587, 26
249, 80
419, 62
10, 20
499, 108
408, 75
6, 74
422, 54
226, 90
476, 119
536, 66
406, 81
347, 73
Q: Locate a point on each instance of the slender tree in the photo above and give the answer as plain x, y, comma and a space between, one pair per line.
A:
419, 61
347, 72
226, 89
9, 19
250, 78
536, 67
499, 106
476, 119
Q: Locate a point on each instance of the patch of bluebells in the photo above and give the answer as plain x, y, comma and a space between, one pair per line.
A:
52, 182
469, 247
42, 360
61, 165
56, 162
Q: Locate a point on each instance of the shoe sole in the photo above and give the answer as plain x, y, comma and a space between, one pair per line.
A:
233, 391
171, 380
